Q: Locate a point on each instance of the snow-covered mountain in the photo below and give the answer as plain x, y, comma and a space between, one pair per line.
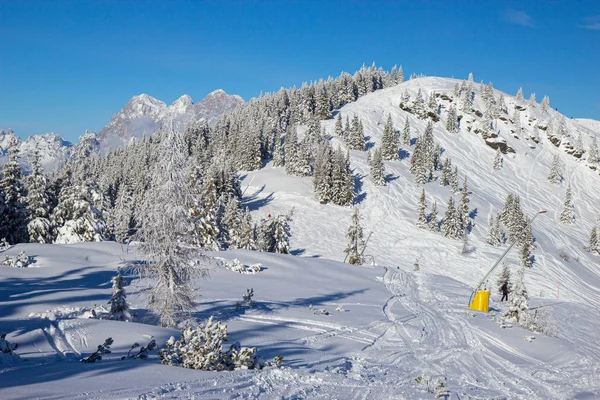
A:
143, 115
52, 148
379, 331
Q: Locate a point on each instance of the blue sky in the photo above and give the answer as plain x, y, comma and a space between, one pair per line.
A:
68, 66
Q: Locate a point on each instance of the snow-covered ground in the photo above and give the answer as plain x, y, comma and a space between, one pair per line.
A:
398, 331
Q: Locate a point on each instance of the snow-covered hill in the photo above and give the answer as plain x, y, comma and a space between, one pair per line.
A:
399, 333
143, 115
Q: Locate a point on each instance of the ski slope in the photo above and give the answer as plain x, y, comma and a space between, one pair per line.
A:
398, 333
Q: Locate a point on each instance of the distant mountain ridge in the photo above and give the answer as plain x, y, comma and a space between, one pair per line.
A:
141, 116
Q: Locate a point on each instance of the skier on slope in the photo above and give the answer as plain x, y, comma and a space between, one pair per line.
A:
504, 289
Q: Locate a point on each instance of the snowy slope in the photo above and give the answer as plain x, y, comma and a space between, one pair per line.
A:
397, 325
393, 327
391, 212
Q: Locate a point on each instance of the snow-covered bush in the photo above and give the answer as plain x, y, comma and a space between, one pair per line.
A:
142, 353
103, 348
236, 265
540, 321
247, 298
21, 260
201, 348
4, 245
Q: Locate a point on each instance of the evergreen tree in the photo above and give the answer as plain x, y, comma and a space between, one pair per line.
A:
13, 215
454, 180
433, 219
119, 309
463, 207
75, 218
322, 178
593, 241
503, 278
302, 165
593, 157
282, 233
498, 160
233, 220
451, 226
339, 132
446, 175
555, 176
247, 233
355, 241
342, 193
164, 235
517, 122
422, 219
494, 235
532, 101
567, 215
291, 150
452, 120
525, 255
406, 133
518, 310
418, 105
545, 104
278, 154
389, 141
520, 95
38, 204
378, 169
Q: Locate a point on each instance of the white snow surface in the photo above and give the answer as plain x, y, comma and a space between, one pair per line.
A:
399, 330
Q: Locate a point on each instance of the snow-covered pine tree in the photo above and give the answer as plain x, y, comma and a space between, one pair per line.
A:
593, 241
545, 104
356, 139
446, 175
13, 216
433, 223
422, 218
517, 122
451, 226
378, 169
247, 233
355, 241
347, 128
323, 166
171, 263
406, 133
369, 158
525, 255
75, 218
38, 204
418, 105
119, 309
519, 96
593, 157
463, 207
339, 131
291, 150
454, 180
431, 103
503, 278
389, 141
233, 220
532, 101
518, 309
282, 233
302, 164
498, 160
493, 238
342, 193
567, 215
556, 175
278, 154
452, 120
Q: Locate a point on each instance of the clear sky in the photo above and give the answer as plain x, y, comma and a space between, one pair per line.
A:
67, 66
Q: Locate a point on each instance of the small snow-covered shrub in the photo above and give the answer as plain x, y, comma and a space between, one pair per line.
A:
247, 298
236, 265
142, 353
540, 321
4, 245
103, 348
21, 260
201, 348
119, 309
